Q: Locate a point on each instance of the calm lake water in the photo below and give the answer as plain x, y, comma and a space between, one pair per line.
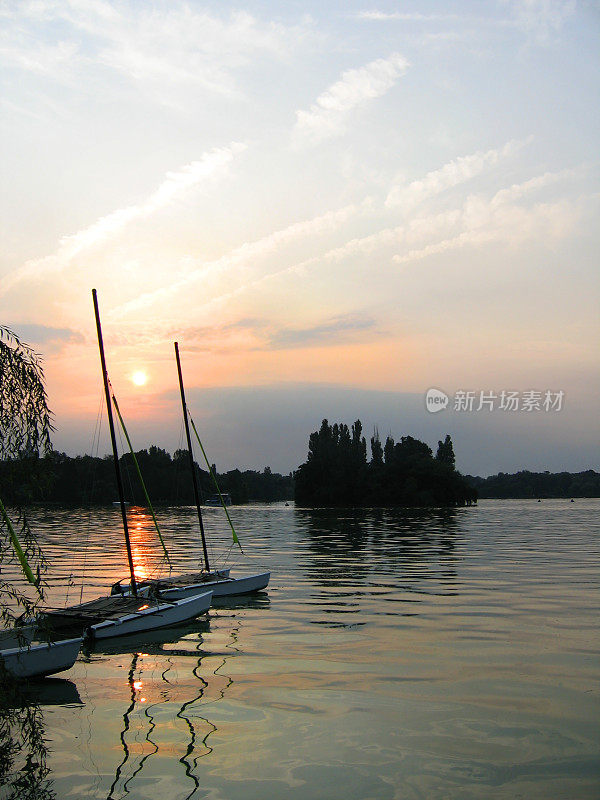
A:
395, 655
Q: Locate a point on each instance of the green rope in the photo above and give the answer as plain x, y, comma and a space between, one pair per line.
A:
137, 466
19, 551
214, 477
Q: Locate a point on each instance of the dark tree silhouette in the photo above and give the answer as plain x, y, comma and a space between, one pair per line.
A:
405, 473
445, 452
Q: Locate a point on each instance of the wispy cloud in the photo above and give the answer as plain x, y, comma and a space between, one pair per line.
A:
500, 218
191, 46
511, 215
327, 116
156, 46
334, 331
244, 256
475, 220
46, 335
254, 334
452, 174
175, 184
387, 16
43, 59
541, 19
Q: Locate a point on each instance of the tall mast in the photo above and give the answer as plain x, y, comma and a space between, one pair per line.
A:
192, 466
114, 444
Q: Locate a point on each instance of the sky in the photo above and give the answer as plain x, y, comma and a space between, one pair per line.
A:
332, 207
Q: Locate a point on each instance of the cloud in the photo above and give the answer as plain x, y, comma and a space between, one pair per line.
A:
541, 19
452, 174
156, 46
469, 221
326, 117
385, 16
44, 59
190, 46
245, 255
254, 334
52, 338
477, 220
176, 183
499, 218
339, 329
44, 333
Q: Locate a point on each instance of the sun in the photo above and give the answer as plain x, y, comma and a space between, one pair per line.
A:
139, 377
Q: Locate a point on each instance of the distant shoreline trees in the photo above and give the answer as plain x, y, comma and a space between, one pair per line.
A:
337, 473
85, 480
404, 473
525, 485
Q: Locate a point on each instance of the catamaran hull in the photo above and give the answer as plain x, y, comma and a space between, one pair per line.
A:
37, 660
161, 615
227, 587
223, 586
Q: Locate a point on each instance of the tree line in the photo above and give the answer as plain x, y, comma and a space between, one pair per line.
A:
81, 480
404, 473
336, 473
537, 485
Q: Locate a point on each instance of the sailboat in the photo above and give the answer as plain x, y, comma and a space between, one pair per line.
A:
120, 615
220, 582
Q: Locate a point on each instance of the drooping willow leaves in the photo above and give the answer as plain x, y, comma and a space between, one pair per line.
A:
25, 419
25, 428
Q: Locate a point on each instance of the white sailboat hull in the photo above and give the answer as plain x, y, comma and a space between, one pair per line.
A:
37, 660
180, 586
156, 615
222, 587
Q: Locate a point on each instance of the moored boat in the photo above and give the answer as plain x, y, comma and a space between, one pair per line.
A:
188, 584
136, 611
121, 615
218, 500
219, 581
35, 660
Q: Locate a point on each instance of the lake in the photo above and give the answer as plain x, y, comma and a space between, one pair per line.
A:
396, 654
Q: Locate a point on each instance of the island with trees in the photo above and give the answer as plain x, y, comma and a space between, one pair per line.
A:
404, 473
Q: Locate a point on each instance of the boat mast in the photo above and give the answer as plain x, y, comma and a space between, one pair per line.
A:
114, 444
192, 465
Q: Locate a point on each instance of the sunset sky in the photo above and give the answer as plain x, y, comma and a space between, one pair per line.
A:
332, 207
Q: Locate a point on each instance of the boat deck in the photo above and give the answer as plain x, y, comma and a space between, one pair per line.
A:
185, 579
79, 617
